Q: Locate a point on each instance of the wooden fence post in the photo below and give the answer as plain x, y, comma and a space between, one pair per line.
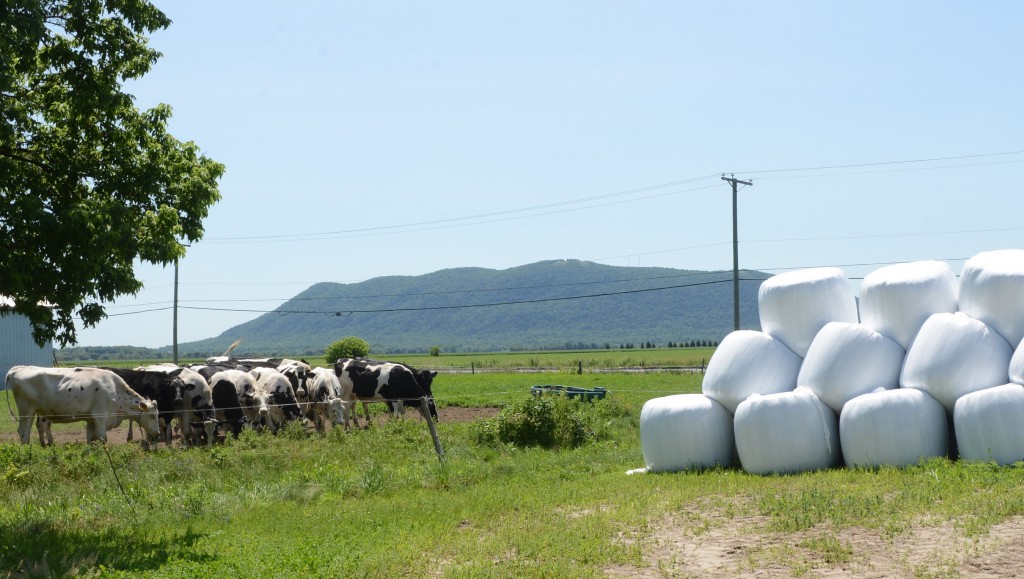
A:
425, 408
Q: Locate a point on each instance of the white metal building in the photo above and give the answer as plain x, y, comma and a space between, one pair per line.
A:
16, 343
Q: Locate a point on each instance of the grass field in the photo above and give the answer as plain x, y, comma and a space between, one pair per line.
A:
378, 503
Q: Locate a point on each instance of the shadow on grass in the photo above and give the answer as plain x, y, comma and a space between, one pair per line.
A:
42, 550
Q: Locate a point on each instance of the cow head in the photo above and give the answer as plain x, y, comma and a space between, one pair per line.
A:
177, 388
149, 418
209, 430
339, 410
257, 401
284, 399
425, 378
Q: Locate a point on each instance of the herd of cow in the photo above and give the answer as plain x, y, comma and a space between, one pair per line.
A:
223, 395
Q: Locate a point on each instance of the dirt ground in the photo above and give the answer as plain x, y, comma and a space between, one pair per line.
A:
76, 432
710, 544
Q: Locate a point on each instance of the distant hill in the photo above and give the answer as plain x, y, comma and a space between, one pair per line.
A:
545, 305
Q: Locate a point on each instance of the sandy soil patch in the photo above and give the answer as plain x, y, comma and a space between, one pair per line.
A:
706, 543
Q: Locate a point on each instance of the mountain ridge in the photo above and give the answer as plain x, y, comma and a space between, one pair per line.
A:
543, 305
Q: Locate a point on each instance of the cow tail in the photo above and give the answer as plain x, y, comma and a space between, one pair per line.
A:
7, 395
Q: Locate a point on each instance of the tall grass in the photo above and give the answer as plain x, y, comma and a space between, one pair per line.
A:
379, 502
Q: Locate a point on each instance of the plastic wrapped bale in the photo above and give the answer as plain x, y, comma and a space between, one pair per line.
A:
685, 431
893, 427
1017, 365
991, 286
749, 362
793, 306
847, 360
988, 424
787, 432
896, 300
954, 355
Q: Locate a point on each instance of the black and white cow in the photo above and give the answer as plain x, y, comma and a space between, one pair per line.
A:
198, 398
282, 402
297, 371
224, 386
372, 380
226, 406
167, 389
328, 401
99, 397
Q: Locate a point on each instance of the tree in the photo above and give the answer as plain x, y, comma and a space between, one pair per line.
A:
350, 347
88, 183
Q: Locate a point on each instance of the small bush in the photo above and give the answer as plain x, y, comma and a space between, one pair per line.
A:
350, 347
545, 421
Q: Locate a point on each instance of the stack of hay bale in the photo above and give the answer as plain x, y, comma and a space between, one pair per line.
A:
929, 368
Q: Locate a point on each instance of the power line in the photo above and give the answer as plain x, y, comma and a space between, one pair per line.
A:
422, 225
482, 218
347, 312
909, 169
433, 293
880, 163
465, 306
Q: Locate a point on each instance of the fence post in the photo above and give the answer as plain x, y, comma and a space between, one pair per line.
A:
580, 366
472, 368
425, 411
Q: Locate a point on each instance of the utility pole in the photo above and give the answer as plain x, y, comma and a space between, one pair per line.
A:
174, 348
732, 180
174, 351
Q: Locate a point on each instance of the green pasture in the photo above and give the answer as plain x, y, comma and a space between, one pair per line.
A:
379, 503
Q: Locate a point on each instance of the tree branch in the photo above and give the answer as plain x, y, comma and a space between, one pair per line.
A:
17, 155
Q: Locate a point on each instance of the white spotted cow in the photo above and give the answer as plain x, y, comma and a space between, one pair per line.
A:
197, 396
226, 402
372, 381
282, 402
253, 403
327, 401
98, 397
297, 371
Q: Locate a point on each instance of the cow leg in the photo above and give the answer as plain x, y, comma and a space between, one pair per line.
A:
346, 414
25, 427
96, 429
45, 433
353, 412
185, 428
131, 432
366, 411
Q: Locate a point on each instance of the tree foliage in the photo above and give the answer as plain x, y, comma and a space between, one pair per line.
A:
88, 182
350, 347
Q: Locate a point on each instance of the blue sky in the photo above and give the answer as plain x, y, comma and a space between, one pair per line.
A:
367, 139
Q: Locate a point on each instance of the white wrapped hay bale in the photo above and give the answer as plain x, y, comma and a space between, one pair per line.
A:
992, 290
685, 431
896, 300
1017, 365
749, 362
846, 360
893, 427
793, 306
954, 355
989, 424
786, 433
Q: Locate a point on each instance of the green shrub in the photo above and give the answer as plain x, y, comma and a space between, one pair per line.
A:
545, 421
350, 347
